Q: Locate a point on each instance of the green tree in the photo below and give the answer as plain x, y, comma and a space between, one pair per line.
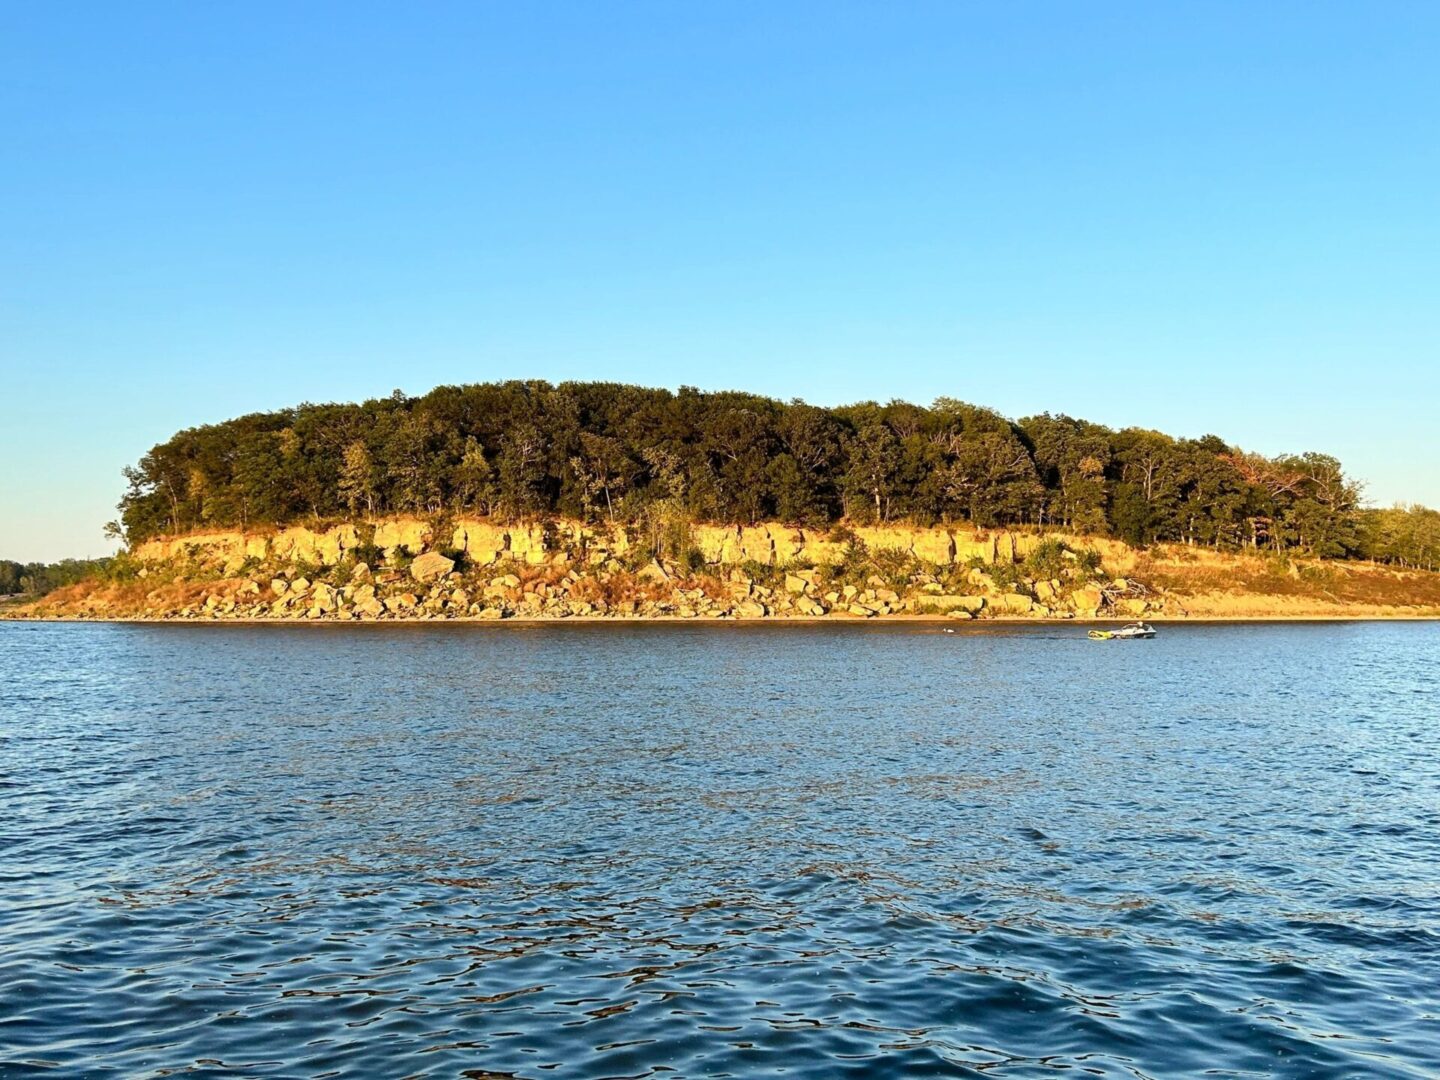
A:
357, 478
873, 455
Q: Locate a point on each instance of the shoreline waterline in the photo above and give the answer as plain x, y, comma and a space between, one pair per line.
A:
798, 621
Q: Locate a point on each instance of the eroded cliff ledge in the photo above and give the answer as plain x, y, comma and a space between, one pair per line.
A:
405, 568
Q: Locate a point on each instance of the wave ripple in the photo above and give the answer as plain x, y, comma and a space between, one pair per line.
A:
601, 851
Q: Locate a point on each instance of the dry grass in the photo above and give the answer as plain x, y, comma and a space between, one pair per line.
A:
1324, 583
130, 597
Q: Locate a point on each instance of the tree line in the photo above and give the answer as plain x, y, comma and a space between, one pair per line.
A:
37, 579
623, 453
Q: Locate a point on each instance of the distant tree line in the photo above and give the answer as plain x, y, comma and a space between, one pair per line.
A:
617, 452
37, 579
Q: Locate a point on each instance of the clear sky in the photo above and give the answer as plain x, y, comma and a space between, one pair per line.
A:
1209, 217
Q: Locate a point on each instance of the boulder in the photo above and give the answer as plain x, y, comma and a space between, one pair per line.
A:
431, 566
948, 602
1013, 603
796, 585
653, 571
1087, 599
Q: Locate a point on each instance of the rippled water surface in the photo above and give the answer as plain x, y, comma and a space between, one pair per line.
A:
620, 851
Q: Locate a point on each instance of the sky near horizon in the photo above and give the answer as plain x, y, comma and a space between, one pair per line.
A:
1195, 217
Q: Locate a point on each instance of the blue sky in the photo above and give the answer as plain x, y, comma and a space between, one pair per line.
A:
1194, 217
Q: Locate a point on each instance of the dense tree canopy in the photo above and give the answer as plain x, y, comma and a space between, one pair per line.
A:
604, 450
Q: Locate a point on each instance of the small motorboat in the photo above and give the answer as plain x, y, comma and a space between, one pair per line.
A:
1130, 630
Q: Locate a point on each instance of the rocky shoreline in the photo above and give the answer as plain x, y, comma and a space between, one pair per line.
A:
412, 569
432, 589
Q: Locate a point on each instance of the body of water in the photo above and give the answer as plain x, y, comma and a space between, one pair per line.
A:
584, 851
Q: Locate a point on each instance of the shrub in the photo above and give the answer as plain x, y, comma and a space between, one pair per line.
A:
1048, 559
367, 553
1011, 577
760, 572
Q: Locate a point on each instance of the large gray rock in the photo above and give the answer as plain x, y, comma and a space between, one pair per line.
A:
948, 603
369, 606
653, 571
430, 566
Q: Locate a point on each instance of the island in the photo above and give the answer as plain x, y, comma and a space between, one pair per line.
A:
526, 500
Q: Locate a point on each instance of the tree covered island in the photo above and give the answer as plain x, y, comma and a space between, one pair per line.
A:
618, 453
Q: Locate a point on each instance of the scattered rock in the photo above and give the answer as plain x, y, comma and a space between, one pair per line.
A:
1087, 600
430, 566
947, 603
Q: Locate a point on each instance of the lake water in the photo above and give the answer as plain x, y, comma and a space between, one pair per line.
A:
630, 850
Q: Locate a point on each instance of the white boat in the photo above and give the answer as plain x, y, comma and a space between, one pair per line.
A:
1130, 630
